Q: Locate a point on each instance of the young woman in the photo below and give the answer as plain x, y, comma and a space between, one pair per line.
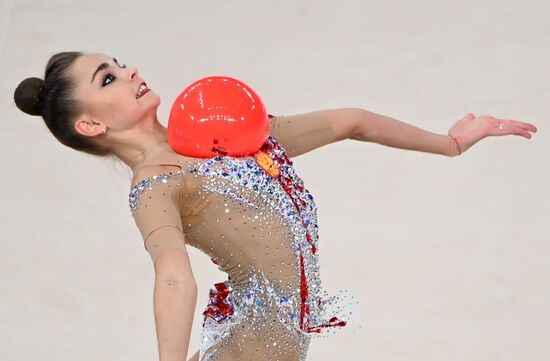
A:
257, 223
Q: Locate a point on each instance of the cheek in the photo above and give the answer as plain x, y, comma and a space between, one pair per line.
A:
117, 111
122, 110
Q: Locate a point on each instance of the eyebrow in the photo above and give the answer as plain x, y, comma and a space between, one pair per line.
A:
100, 68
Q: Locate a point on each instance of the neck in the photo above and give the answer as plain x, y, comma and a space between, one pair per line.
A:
148, 141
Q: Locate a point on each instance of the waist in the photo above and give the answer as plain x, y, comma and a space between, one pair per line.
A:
258, 298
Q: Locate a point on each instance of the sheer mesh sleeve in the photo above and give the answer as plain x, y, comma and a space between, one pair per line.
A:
302, 133
154, 205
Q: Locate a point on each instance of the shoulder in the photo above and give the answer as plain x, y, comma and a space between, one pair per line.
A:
169, 164
156, 183
153, 170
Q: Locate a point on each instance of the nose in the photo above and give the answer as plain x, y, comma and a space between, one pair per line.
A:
133, 72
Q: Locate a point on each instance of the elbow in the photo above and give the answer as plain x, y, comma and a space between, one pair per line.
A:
183, 282
173, 271
362, 127
175, 287
176, 279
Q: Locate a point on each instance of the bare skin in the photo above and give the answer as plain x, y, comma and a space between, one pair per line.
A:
130, 127
136, 136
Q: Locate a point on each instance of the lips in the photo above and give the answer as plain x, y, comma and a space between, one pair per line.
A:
142, 89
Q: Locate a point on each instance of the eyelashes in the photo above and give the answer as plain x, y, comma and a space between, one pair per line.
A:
110, 76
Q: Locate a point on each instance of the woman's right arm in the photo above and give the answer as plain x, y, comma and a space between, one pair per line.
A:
175, 292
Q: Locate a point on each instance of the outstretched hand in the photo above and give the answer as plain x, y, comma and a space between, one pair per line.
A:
471, 129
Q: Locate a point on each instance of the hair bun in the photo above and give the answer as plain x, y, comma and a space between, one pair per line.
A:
26, 95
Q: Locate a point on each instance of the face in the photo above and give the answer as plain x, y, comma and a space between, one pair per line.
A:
108, 92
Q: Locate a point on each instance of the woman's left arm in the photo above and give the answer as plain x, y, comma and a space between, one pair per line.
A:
302, 133
467, 131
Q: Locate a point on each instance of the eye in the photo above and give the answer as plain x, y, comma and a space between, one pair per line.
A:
110, 76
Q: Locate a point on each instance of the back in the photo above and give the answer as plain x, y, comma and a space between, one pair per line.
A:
259, 225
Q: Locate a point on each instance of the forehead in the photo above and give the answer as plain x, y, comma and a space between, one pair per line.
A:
85, 66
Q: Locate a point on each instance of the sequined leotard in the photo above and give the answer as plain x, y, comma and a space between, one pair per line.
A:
259, 225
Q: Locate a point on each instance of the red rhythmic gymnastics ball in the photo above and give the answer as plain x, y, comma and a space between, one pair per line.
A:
217, 116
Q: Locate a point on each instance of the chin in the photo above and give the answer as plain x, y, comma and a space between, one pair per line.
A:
154, 100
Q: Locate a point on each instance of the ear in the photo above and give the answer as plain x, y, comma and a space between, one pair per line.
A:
86, 125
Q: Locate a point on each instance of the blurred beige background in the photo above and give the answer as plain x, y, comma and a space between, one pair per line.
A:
450, 256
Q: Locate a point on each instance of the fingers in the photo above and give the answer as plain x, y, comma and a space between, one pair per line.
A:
522, 132
519, 128
511, 126
519, 124
516, 131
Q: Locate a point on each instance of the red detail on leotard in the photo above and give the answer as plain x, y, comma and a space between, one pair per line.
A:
218, 308
294, 191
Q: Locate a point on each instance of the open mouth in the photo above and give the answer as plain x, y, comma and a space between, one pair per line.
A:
143, 89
